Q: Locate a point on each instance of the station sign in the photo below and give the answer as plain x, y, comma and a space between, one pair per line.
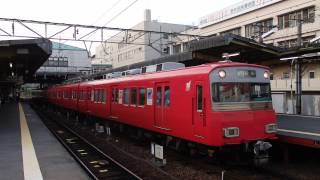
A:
240, 8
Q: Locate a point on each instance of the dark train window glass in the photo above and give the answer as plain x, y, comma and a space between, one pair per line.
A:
260, 92
80, 95
199, 98
159, 96
159, 67
142, 96
99, 95
126, 96
167, 96
143, 70
96, 95
240, 92
103, 95
133, 96
74, 94
117, 96
113, 92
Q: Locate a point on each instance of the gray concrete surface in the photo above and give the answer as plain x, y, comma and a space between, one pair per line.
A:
55, 162
11, 166
309, 126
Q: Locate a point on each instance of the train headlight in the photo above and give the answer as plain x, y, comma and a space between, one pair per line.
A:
231, 132
266, 74
271, 128
222, 74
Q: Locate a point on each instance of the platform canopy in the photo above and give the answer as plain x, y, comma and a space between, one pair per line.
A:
211, 49
19, 59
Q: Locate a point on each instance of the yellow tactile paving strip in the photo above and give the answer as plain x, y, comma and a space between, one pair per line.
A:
31, 167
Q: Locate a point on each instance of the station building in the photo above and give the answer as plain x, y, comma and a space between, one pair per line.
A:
123, 53
274, 22
66, 62
271, 22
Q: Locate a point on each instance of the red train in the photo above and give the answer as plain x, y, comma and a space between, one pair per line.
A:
217, 106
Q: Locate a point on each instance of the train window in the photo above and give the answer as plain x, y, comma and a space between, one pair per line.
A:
133, 96
142, 96
73, 96
199, 98
159, 96
143, 70
113, 92
159, 67
126, 96
240, 92
117, 96
103, 96
166, 96
96, 95
92, 95
80, 94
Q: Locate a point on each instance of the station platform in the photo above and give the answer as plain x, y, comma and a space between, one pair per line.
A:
299, 129
29, 151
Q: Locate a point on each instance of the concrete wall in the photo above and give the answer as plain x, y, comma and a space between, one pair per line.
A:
283, 103
122, 54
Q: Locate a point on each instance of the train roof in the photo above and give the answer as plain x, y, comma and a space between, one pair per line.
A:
194, 70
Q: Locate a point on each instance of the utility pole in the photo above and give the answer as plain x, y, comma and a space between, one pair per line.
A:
298, 68
260, 33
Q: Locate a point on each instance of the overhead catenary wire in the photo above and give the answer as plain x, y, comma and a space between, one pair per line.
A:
113, 18
106, 12
117, 15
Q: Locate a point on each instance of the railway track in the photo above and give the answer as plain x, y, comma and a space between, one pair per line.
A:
95, 162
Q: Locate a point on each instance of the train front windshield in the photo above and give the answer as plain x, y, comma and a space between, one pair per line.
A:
240, 92
240, 88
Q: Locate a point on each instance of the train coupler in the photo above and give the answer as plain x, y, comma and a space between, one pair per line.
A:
261, 153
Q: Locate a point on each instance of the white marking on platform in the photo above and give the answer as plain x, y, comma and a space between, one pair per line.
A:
299, 132
297, 115
31, 169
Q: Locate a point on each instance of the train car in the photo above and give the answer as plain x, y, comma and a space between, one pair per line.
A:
215, 105
84, 98
99, 104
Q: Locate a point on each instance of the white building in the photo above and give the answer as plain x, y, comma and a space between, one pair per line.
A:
253, 18
276, 21
65, 60
122, 54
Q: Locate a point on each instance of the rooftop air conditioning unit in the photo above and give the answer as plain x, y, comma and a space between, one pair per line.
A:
133, 71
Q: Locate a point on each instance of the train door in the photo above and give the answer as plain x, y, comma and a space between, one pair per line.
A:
162, 104
88, 99
199, 111
114, 99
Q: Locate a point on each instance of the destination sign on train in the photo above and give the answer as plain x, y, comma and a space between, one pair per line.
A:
246, 73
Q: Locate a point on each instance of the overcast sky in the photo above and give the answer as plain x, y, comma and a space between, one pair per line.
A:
99, 12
